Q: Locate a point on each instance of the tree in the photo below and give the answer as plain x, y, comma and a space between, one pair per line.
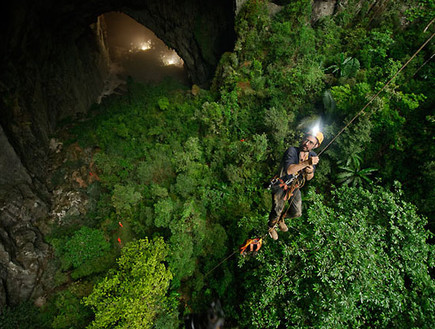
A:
85, 245
347, 67
133, 295
358, 260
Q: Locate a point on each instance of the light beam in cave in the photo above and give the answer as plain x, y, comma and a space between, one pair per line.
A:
140, 53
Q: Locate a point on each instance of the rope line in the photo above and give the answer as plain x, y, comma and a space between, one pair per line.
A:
427, 61
262, 237
222, 261
377, 94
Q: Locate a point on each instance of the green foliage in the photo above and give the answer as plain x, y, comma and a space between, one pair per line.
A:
71, 313
94, 265
163, 103
86, 244
23, 316
360, 259
352, 174
124, 198
350, 98
168, 319
155, 168
134, 294
277, 122
212, 117
420, 10
251, 25
375, 50
346, 67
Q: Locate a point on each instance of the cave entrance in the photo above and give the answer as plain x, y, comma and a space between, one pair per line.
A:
137, 52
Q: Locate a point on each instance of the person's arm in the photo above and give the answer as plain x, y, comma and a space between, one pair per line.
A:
294, 168
290, 158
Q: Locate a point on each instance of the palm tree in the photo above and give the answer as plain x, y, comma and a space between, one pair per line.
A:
352, 174
346, 67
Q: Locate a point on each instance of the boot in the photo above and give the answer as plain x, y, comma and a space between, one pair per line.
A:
272, 233
282, 226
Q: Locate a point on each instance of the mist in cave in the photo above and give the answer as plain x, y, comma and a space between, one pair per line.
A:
137, 52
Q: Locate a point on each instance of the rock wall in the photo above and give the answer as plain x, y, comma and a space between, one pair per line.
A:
42, 82
322, 8
23, 253
52, 63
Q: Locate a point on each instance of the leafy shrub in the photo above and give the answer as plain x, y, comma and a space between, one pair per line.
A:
23, 316
163, 103
71, 313
94, 265
124, 198
133, 294
86, 244
346, 67
359, 255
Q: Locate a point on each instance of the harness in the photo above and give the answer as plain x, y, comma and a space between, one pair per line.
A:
289, 188
253, 244
290, 185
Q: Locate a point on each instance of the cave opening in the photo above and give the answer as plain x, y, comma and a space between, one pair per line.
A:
135, 51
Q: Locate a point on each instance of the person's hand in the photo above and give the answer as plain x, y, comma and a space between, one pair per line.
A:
309, 170
313, 160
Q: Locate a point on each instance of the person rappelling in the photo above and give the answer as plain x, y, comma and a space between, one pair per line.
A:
297, 166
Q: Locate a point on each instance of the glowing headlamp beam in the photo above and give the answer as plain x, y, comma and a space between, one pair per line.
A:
315, 129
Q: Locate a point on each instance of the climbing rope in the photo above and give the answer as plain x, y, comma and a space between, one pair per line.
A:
222, 261
245, 244
377, 94
299, 184
427, 61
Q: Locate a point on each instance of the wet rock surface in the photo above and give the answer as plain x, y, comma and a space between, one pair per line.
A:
322, 8
23, 252
71, 172
27, 264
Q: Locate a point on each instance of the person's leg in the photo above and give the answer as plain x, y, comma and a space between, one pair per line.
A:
277, 205
295, 205
277, 208
294, 210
